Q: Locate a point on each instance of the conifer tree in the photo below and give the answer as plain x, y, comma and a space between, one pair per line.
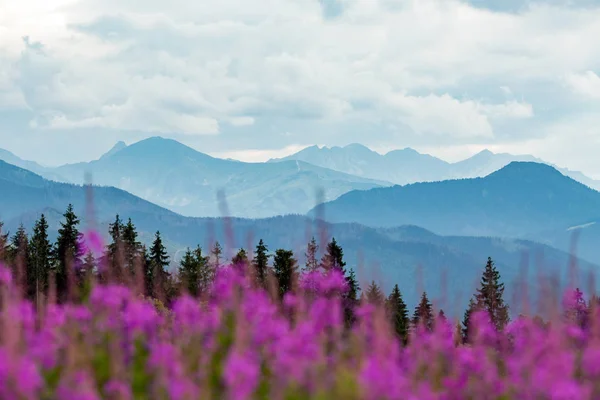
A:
490, 295
312, 263
284, 268
114, 250
398, 314
333, 257
216, 252
261, 263
350, 298
131, 246
240, 260
40, 256
3, 241
374, 295
188, 272
18, 254
474, 306
159, 260
206, 273
67, 251
423, 313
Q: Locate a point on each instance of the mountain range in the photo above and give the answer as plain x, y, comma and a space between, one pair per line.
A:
186, 181
407, 166
522, 200
403, 255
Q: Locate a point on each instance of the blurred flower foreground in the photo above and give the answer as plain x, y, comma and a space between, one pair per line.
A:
242, 341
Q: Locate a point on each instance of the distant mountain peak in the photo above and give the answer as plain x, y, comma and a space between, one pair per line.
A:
115, 149
529, 168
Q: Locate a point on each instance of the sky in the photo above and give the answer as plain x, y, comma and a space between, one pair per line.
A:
256, 79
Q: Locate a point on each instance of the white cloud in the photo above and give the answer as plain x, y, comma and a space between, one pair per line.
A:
256, 69
586, 84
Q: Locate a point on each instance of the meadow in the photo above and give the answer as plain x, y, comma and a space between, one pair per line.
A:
242, 339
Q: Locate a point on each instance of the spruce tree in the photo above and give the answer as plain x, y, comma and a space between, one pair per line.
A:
312, 263
216, 253
40, 256
284, 268
18, 256
490, 296
473, 307
67, 251
350, 298
261, 263
240, 260
423, 313
398, 314
189, 272
206, 273
3, 242
159, 260
333, 257
131, 246
114, 250
374, 295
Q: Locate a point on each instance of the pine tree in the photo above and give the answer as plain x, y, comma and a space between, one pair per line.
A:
350, 298
312, 263
284, 268
261, 263
333, 257
374, 295
188, 272
148, 271
206, 273
67, 251
159, 260
131, 246
40, 256
114, 251
473, 307
423, 313
490, 296
240, 260
3, 242
398, 314
216, 252
18, 254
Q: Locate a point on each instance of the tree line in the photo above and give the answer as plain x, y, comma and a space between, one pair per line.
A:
63, 269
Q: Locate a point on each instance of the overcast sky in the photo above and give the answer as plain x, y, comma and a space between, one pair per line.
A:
254, 79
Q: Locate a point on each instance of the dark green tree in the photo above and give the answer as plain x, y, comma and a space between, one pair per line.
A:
159, 260
193, 269
132, 248
333, 257
3, 242
261, 263
40, 260
216, 253
398, 314
473, 307
18, 255
490, 296
67, 252
423, 313
240, 260
206, 272
312, 263
115, 251
374, 295
285, 269
350, 298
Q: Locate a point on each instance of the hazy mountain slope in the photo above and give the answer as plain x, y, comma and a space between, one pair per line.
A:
32, 166
409, 166
520, 199
411, 256
398, 166
180, 178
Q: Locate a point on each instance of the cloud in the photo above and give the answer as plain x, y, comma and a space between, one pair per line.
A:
586, 84
383, 72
